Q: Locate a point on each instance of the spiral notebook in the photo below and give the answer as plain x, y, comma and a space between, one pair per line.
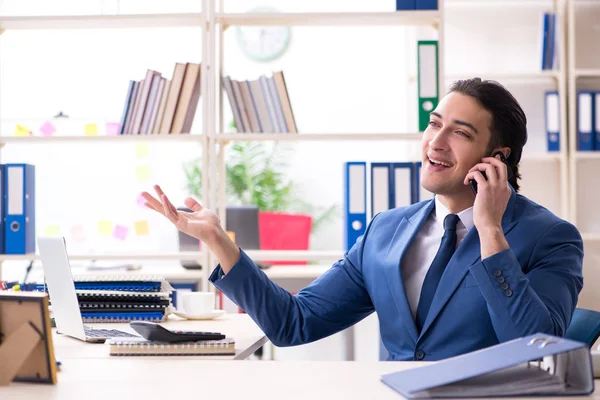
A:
123, 283
143, 347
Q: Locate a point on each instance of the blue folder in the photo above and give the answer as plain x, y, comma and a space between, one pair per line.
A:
402, 5
19, 210
355, 201
507, 369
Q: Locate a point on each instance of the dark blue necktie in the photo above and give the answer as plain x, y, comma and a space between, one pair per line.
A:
434, 274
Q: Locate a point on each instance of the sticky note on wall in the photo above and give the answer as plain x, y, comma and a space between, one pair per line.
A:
141, 149
21, 130
47, 128
78, 233
112, 128
141, 228
90, 129
120, 232
105, 227
142, 173
141, 201
52, 230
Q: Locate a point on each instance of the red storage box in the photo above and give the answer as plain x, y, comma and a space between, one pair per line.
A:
282, 231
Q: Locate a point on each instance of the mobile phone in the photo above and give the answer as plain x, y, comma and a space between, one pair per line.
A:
509, 172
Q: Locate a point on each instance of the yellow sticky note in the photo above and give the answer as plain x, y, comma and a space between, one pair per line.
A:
21, 130
52, 230
141, 228
231, 235
142, 173
141, 149
105, 228
91, 129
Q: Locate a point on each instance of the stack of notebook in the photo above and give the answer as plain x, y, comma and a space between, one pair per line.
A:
123, 298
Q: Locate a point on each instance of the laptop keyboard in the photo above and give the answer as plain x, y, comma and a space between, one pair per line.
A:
106, 333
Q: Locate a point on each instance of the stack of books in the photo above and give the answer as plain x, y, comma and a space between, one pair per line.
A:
123, 298
261, 105
156, 105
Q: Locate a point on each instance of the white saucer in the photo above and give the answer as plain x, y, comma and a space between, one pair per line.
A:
212, 315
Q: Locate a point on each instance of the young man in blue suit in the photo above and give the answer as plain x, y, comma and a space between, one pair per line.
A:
446, 276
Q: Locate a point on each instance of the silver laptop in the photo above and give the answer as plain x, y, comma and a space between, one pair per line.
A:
63, 297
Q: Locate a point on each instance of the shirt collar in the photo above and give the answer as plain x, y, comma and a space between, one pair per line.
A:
466, 216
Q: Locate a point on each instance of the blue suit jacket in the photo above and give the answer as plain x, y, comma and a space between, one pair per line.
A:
531, 287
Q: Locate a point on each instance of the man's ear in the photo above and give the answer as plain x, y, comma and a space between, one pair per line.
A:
504, 150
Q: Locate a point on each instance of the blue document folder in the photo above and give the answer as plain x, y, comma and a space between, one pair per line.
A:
537, 364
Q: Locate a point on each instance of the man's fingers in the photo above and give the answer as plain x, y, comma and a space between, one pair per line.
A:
150, 206
477, 176
192, 204
500, 167
168, 203
150, 200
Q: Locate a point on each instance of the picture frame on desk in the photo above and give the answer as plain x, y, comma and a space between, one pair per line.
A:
26, 347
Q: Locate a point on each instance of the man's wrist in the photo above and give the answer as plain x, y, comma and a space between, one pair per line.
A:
492, 241
225, 249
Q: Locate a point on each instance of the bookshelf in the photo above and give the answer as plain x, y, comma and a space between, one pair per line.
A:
426, 20
584, 74
515, 62
539, 162
39, 24
214, 21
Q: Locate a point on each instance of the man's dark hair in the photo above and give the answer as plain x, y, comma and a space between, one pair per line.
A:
509, 124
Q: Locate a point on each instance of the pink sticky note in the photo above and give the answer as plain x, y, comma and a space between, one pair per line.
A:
112, 128
120, 232
141, 200
47, 128
78, 233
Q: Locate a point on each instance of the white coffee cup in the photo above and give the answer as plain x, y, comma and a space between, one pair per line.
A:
198, 303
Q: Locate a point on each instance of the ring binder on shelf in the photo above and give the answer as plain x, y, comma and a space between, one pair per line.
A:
538, 364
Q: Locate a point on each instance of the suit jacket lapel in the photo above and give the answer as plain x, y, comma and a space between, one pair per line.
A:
403, 237
467, 254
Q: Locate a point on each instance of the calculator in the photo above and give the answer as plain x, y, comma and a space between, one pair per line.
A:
158, 333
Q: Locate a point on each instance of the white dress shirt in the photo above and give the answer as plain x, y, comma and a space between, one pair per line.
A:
424, 247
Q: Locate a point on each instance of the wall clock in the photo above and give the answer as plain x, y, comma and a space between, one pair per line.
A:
263, 43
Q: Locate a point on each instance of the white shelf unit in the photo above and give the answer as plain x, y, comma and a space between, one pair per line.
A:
470, 20
406, 18
7, 140
220, 139
582, 24
133, 21
584, 73
100, 21
114, 256
227, 137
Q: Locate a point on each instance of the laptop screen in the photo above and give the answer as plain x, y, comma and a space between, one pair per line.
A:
61, 288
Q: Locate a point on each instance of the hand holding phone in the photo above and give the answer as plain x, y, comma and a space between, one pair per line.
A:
509, 172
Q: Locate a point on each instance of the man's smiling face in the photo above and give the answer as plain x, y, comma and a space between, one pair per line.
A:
455, 140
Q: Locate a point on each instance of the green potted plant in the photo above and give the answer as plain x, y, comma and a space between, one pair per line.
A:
255, 175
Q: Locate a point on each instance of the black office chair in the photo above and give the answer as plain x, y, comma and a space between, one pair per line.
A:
584, 326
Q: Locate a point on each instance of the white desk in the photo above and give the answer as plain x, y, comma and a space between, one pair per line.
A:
248, 338
181, 378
